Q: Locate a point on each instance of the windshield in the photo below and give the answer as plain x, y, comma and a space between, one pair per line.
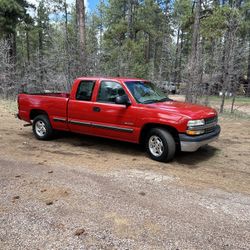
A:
146, 92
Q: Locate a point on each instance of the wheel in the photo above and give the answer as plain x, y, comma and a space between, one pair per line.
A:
42, 128
160, 145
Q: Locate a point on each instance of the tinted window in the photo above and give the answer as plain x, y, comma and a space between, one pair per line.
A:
84, 91
109, 90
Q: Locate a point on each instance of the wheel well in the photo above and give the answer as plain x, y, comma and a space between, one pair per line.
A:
146, 128
35, 112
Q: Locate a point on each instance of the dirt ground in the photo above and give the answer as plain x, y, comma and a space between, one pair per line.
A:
80, 192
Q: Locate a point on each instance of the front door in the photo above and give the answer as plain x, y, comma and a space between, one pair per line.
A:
113, 120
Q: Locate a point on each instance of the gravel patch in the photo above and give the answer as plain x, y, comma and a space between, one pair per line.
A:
82, 209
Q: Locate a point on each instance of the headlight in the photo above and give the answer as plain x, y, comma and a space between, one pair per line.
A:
194, 123
193, 127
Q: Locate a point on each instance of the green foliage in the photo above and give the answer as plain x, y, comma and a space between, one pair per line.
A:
151, 18
245, 15
11, 12
125, 55
215, 25
132, 38
182, 14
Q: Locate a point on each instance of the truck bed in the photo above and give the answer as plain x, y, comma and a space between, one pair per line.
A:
55, 105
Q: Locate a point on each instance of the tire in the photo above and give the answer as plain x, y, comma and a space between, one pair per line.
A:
42, 128
160, 145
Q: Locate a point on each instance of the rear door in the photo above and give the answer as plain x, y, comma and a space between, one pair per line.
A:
80, 108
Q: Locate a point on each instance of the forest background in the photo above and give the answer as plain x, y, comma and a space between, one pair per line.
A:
202, 46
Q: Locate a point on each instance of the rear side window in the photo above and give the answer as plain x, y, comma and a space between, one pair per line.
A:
85, 90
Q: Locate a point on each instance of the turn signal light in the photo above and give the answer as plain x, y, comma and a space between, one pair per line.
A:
195, 132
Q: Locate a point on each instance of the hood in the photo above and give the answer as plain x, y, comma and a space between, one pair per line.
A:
189, 110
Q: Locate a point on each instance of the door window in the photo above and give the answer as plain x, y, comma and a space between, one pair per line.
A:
85, 90
109, 90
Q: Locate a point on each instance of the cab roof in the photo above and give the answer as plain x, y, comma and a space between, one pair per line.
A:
124, 79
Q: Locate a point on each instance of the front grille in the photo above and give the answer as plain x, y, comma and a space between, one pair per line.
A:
209, 130
211, 119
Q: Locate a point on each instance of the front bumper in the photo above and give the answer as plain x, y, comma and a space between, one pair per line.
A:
192, 143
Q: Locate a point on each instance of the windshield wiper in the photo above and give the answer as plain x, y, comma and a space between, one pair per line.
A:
164, 99
149, 101
156, 100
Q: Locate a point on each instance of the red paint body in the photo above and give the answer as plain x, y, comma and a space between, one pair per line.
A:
134, 117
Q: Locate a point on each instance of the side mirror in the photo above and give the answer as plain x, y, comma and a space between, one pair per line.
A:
124, 100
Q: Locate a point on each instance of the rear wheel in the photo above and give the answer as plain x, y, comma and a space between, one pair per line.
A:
42, 128
160, 145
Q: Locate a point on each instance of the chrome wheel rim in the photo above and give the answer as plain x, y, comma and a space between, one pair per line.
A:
155, 144
40, 128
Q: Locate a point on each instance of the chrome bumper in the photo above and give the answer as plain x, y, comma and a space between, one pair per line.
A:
192, 143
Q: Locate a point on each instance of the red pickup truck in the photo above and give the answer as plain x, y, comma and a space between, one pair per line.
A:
125, 109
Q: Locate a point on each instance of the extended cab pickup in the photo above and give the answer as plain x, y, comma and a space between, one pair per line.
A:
125, 109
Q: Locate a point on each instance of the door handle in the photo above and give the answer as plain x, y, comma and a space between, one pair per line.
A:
96, 109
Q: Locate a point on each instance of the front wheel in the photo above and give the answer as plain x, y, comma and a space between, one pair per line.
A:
160, 145
42, 128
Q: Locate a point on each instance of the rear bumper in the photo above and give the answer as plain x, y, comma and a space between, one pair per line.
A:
23, 115
192, 143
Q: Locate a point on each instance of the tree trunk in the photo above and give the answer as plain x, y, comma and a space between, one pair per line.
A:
176, 70
194, 59
27, 45
165, 55
147, 47
67, 45
80, 15
234, 90
211, 72
225, 67
248, 69
152, 58
101, 27
11, 38
40, 46
232, 105
230, 45
130, 20
179, 75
